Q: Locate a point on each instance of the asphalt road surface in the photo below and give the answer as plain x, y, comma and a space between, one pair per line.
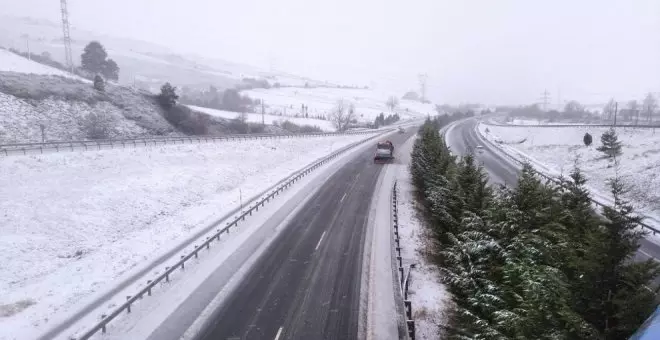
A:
463, 139
306, 285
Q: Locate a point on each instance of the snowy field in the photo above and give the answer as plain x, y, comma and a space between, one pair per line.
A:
559, 148
77, 222
368, 103
268, 118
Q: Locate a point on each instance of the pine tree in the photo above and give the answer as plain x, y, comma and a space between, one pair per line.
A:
168, 96
93, 57
474, 184
99, 84
611, 146
110, 70
620, 299
587, 139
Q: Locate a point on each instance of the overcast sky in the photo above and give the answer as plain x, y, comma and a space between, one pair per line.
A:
492, 51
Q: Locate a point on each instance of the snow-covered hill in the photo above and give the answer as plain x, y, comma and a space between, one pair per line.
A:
271, 119
146, 64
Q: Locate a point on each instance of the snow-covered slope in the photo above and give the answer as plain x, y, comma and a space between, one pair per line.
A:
368, 103
559, 148
61, 105
11, 62
75, 222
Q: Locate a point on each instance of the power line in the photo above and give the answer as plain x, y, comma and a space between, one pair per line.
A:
66, 35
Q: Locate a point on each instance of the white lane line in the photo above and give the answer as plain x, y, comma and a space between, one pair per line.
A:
342, 198
279, 332
318, 244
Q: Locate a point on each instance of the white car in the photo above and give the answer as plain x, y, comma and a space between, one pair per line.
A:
480, 148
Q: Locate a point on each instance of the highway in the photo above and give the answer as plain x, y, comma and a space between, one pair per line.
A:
463, 138
306, 284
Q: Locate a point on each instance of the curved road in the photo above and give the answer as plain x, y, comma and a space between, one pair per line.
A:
463, 138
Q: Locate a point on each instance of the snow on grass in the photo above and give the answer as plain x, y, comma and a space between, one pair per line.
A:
15, 63
75, 222
368, 103
557, 149
324, 125
428, 296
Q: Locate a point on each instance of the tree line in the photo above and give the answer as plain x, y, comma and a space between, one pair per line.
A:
534, 261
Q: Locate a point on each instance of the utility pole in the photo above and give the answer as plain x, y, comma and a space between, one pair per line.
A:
545, 96
27, 43
66, 34
422, 85
616, 109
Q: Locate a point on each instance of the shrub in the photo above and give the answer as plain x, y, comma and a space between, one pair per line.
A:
587, 139
99, 84
295, 128
98, 125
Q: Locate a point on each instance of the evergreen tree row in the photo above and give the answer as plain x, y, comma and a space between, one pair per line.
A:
536, 261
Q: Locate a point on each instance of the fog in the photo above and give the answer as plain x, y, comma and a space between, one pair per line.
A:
473, 51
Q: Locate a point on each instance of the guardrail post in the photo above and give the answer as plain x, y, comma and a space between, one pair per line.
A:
408, 306
103, 316
167, 274
149, 289
183, 263
196, 253
208, 242
398, 258
411, 329
128, 307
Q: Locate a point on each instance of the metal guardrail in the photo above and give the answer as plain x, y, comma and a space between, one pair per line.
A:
180, 265
86, 145
404, 280
636, 126
548, 177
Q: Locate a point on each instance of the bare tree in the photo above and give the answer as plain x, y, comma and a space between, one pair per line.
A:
609, 109
633, 106
392, 103
650, 105
342, 114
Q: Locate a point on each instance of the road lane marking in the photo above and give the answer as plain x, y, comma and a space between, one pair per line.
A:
279, 332
342, 198
318, 244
